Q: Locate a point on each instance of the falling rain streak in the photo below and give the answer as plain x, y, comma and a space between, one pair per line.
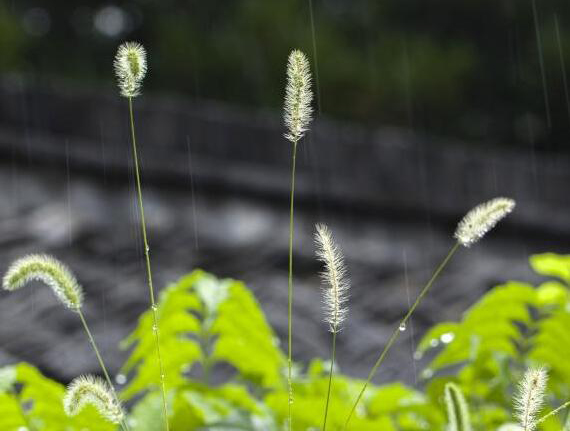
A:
193, 196
541, 62
562, 63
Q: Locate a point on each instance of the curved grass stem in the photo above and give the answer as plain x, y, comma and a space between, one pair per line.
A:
290, 287
333, 355
124, 424
148, 268
397, 330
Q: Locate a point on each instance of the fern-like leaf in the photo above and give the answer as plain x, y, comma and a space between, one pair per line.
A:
204, 321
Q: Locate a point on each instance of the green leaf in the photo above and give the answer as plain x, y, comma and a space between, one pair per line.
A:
488, 326
42, 399
203, 320
147, 414
552, 293
552, 265
390, 399
245, 340
11, 414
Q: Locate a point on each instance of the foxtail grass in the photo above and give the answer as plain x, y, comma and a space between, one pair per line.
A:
130, 67
530, 398
335, 293
66, 288
474, 225
86, 390
297, 116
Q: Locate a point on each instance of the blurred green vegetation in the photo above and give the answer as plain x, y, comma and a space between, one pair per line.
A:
213, 328
469, 68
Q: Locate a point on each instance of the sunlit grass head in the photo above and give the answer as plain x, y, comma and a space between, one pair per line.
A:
298, 97
335, 281
530, 397
48, 270
86, 390
130, 67
482, 219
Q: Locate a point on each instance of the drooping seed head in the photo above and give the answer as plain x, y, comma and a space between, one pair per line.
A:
336, 283
85, 390
49, 271
298, 97
482, 219
130, 68
530, 397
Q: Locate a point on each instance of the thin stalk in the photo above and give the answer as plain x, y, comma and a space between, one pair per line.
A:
148, 270
330, 378
402, 324
553, 412
290, 283
124, 425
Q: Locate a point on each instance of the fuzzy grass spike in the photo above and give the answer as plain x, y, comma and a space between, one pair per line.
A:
335, 292
470, 229
530, 397
86, 390
482, 219
130, 68
298, 97
297, 116
50, 271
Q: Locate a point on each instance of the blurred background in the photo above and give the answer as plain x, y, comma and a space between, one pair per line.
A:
423, 109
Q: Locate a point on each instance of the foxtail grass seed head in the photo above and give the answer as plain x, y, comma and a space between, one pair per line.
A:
48, 270
482, 219
298, 97
336, 283
130, 68
530, 397
91, 390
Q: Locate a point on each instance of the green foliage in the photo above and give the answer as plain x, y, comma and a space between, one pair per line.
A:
513, 326
391, 407
204, 321
210, 325
28, 400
